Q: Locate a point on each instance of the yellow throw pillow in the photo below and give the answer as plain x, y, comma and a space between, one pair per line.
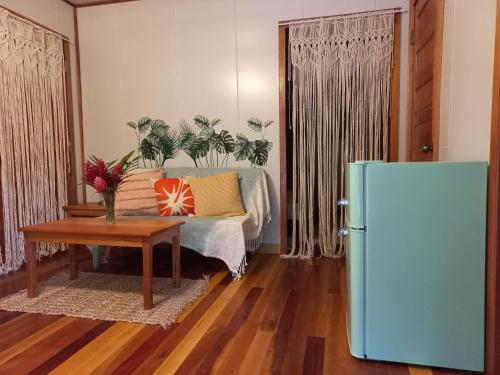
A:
217, 195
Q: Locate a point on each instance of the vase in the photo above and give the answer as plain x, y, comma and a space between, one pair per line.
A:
109, 203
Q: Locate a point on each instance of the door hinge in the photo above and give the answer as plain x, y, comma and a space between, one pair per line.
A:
412, 37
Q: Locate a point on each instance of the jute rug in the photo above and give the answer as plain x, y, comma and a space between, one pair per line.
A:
108, 297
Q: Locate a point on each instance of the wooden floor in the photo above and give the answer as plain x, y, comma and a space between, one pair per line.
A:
284, 316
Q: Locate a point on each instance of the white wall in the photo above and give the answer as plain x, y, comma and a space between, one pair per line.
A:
173, 59
467, 79
56, 15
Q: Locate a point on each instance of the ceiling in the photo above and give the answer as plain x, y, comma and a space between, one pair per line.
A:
87, 3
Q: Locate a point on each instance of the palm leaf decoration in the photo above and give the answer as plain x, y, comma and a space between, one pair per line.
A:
144, 124
202, 122
157, 146
147, 150
211, 145
257, 152
200, 148
223, 142
191, 143
255, 124
243, 149
267, 123
261, 153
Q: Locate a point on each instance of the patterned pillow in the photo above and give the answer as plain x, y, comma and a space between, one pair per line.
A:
174, 196
217, 195
136, 196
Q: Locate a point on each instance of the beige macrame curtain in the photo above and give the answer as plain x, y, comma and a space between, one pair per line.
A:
33, 132
341, 84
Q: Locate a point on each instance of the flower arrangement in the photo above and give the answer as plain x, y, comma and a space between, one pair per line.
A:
105, 178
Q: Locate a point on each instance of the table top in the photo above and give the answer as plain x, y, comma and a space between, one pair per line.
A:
122, 228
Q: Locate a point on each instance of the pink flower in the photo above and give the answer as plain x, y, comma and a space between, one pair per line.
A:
89, 172
100, 184
116, 175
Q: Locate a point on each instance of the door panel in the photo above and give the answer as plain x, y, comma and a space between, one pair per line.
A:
426, 29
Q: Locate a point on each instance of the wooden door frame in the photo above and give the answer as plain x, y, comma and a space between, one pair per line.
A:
282, 47
283, 121
71, 177
436, 88
492, 339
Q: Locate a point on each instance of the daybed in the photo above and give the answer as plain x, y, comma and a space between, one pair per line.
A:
226, 238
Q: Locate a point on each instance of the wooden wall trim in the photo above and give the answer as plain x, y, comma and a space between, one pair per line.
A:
103, 2
79, 93
409, 98
283, 124
436, 89
72, 195
492, 361
396, 63
68, 2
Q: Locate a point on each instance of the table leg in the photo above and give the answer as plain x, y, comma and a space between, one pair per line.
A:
73, 262
147, 271
30, 268
176, 261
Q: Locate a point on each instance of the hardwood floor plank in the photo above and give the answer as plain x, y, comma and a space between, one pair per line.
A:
98, 350
213, 282
254, 358
233, 355
178, 331
419, 370
315, 356
7, 316
71, 349
38, 353
210, 346
39, 335
186, 345
305, 319
141, 353
114, 361
273, 312
23, 326
276, 353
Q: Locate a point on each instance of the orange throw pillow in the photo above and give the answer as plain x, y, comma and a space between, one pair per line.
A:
175, 197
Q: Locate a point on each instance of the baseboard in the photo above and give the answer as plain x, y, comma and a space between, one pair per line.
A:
269, 248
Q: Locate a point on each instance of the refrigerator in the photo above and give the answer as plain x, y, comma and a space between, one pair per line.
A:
415, 240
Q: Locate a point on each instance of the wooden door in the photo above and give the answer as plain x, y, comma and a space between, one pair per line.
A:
424, 89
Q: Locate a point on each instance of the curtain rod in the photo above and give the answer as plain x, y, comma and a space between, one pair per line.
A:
344, 15
30, 21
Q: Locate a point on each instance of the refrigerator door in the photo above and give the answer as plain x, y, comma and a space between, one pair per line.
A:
355, 292
425, 263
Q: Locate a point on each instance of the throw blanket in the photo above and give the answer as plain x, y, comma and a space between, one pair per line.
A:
227, 238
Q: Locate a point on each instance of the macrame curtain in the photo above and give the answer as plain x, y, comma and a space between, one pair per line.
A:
33, 133
341, 84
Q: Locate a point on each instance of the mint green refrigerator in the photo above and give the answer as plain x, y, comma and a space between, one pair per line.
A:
415, 246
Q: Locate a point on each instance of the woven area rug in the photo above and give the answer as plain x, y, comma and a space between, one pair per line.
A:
108, 297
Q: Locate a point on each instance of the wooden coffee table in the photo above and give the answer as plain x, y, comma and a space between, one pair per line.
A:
95, 231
